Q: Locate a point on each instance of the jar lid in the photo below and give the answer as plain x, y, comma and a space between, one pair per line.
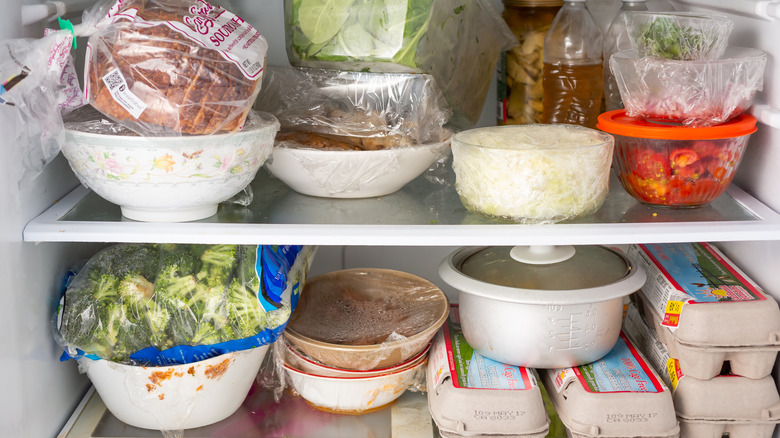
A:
543, 274
619, 123
533, 3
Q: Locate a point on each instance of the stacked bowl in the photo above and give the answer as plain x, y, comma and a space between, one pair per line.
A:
376, 89
684, 128
359, 338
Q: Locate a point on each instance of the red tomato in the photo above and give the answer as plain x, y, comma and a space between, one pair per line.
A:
683, 157
649, 164
715, 167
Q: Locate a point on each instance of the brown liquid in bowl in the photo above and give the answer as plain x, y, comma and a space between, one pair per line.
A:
366, 307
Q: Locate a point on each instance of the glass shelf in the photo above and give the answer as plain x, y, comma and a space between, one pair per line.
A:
426, 212
262, 416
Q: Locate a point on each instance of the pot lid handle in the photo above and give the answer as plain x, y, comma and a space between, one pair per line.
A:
542, 254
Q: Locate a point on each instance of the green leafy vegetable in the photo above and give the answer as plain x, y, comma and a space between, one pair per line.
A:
133, 296
344, 30
665, 38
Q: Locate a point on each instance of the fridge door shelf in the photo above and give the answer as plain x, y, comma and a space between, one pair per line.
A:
423, 213
261, 416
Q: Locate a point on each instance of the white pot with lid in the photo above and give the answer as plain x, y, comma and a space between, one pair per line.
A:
541, 306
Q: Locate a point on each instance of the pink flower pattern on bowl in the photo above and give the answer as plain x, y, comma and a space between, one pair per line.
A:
169, 179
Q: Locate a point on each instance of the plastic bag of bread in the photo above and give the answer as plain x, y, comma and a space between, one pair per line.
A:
172, 67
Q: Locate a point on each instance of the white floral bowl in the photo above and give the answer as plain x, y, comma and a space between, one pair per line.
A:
170, 179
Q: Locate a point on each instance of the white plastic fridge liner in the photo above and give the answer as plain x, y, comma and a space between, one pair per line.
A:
616, 396
737, 405
470, 395
707, 311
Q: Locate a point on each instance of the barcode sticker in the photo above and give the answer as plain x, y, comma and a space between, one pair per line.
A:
117, 86
672, 313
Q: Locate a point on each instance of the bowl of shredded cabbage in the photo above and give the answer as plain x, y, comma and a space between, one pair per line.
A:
532, 173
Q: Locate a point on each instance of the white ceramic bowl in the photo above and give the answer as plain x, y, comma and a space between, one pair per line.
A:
352, 174
301, 362
170, 179
354, 395
178, 396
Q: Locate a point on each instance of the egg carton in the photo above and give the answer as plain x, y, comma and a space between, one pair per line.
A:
707, 362
738, 405
619, 395
470, 395
707, 311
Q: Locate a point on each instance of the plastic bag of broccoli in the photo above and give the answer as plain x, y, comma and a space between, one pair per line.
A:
162, 304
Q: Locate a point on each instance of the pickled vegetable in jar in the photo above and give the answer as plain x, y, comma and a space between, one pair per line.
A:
520, 92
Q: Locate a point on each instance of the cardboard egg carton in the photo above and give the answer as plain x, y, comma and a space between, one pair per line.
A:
707, 311
472, 396
619, 395
737, 405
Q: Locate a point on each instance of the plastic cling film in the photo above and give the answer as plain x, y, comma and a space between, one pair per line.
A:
204, 83
686, 36
367, 110
362, 319
694, 93
456, 41
532, 173
38, 85
174, 304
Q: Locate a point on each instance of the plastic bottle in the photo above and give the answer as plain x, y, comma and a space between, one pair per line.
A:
520, 94
615, 40
573, 82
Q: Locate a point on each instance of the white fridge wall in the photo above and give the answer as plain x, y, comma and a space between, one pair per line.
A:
39, 392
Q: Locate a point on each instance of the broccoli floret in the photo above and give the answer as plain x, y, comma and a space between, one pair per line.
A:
245, 310
219, 262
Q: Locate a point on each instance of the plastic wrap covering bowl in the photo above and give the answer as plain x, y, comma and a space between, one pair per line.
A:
356, 395
363, 319
688, 36
676, 166
302, 362
350, 173
176, 397
167, 179
375, 110
532, 173
458, 42
695, 93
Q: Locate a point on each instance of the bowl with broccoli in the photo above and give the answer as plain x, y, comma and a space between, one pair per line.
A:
173, 335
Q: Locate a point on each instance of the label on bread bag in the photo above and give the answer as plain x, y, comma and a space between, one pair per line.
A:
212, 27
621, 370
452, 355
117, 86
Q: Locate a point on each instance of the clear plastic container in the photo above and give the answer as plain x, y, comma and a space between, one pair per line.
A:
615, 40
520, 91
572, 78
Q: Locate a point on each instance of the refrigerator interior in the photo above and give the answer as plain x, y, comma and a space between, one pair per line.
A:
41, 392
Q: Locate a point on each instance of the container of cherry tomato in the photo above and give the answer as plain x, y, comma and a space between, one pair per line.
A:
674, 165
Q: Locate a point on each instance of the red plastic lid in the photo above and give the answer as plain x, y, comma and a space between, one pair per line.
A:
618, 123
